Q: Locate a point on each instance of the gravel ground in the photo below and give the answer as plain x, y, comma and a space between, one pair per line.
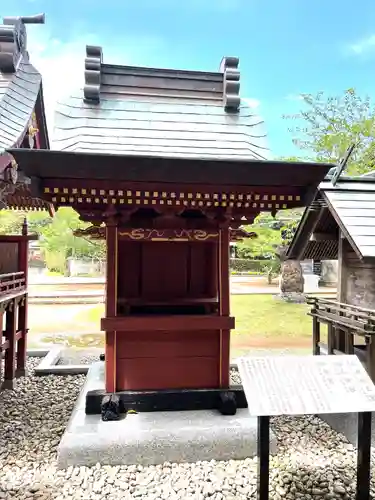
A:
313, 462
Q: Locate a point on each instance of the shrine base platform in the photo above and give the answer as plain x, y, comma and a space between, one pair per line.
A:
154, 437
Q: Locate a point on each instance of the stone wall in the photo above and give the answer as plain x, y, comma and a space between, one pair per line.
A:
360, 281
329, 272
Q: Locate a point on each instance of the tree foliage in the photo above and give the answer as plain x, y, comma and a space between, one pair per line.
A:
56, 236
327, 126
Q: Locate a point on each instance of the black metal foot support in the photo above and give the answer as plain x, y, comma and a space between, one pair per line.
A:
225, 401
364, 456
263, 446
111, 408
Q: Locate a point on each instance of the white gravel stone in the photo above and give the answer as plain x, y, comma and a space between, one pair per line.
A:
313, 462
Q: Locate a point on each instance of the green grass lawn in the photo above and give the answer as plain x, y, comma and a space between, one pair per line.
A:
266, 316
256, 316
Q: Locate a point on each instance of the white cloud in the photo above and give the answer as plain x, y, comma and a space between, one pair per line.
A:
253, 103
363, 46
294, 97
61, 64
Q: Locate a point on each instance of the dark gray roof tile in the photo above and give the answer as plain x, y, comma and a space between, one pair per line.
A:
162, 112
160, 127
352, 205
18, 94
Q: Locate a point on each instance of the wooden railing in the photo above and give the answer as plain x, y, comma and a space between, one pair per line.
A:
11, 283
13, 330
344, 323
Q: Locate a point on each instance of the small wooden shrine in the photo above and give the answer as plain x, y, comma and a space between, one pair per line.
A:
22, 125
170, 161
339, 224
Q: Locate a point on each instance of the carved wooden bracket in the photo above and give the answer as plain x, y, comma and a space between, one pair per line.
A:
231, 94
13, 40
93, 67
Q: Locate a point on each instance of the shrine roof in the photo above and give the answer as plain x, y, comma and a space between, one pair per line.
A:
160, 112
20, 86
349, 206
21, 95
237, 171
132, 124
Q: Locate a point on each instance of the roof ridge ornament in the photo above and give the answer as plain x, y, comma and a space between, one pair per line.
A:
231, 92
93, 68
342, 164
13, 40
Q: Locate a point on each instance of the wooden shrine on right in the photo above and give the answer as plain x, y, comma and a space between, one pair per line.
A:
340, 224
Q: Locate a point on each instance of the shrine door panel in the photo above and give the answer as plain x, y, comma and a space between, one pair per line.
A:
203, 269
164, 270
129, 269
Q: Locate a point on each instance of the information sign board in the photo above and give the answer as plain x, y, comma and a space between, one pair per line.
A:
303, 385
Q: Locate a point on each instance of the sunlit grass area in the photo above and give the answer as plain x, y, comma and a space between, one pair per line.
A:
262, 321
256, 315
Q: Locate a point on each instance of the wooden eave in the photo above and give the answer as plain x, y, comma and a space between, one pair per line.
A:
47, 164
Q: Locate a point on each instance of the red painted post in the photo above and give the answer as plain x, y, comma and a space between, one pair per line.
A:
111, 305
23, 266
224, 297
10, 352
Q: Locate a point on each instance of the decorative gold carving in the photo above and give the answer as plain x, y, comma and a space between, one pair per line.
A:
169, 235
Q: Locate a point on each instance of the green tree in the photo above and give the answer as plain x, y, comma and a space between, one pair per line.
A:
56, 235
327, 126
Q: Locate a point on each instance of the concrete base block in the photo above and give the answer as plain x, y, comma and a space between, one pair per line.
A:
49, 361
8, 385
37, 353
66, 369
155, 437
346, 424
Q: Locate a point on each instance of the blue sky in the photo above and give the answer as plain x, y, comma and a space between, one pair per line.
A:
285, 46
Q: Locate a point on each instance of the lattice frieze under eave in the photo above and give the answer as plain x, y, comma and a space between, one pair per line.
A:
240, 201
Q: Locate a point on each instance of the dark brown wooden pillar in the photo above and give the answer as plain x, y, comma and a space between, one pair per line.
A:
224, 305
370, 357
23, 266
111, 304
1, 343
342, 282
316, 336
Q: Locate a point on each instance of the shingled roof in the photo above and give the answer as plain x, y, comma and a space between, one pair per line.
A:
21, 112
160, 112
20, 85
348, 206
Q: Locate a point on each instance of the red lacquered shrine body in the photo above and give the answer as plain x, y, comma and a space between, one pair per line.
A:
22, 125
171, 162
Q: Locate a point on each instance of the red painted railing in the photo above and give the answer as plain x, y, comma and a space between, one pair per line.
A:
13, 326
11, 283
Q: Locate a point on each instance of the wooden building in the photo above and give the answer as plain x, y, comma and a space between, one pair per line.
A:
169, 161
339, 224
22, 125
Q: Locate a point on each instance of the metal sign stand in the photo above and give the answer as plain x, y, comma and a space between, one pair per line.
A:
263, 448
363, 457
308, 385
